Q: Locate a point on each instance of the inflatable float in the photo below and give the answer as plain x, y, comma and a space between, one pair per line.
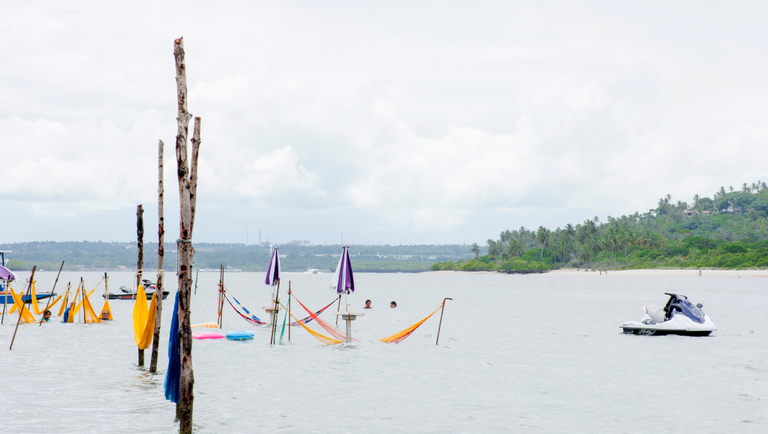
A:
240, 335
207, 335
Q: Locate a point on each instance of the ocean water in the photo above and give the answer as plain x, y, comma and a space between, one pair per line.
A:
536, 353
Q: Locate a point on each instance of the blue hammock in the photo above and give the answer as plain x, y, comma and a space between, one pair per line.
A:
172, 383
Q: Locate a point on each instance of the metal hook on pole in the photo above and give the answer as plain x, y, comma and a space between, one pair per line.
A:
442, 309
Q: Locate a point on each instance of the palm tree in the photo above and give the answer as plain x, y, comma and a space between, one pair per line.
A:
493, 248
476, 250
696, 200
515, 248
542, 237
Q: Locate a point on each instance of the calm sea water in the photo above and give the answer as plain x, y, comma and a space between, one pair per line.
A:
537, 353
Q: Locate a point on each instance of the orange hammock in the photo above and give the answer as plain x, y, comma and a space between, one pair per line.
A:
399, 336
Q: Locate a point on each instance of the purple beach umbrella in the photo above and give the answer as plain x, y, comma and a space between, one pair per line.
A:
343, 280
273, 272
6, 274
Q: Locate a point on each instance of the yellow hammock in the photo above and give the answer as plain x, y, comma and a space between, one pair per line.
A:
79, 305
64, 303
322, 338
36, 307
26, 315
143, 319
399, 336
90, 315
106, 309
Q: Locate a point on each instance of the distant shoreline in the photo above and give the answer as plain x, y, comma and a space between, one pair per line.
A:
659, 272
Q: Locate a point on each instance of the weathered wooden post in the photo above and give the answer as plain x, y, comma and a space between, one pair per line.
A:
160, 256
188, 201
21, 309
140, 265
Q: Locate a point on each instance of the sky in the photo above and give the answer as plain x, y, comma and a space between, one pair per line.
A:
431, 122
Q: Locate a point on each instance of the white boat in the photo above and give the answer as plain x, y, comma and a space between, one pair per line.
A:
678, 317
312, 271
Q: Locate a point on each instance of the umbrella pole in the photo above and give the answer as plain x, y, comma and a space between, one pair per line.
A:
5, 299
23, 305
274, 315
442, 309
51, 296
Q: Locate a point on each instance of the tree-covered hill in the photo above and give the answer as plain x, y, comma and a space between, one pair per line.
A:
123, 256
729, 230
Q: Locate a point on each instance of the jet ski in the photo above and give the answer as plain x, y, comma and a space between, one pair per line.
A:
678, 317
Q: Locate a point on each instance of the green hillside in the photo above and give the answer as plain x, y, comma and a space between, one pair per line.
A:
729, 230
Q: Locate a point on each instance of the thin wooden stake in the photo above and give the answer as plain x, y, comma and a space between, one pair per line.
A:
220, 298
51, 296
140, 263
289, 310
160, 257
441, 319
23, 305
338, 309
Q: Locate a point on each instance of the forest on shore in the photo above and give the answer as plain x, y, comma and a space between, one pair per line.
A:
729, 231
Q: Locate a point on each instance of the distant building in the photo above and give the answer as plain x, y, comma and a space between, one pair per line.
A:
300, 243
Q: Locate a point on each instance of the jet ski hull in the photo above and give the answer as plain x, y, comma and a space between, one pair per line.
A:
658, 332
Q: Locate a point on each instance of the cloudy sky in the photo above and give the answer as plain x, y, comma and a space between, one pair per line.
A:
392, 122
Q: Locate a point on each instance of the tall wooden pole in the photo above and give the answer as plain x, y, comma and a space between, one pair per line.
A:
188, 202
441, 319
220, 298
289, 311
160, 257
23, 305
140, 264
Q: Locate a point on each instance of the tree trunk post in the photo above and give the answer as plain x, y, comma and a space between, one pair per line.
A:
140, 264
188, 201
160, 257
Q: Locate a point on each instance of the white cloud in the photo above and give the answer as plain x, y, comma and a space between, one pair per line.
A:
426, 119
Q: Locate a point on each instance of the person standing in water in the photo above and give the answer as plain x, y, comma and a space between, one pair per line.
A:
47, 316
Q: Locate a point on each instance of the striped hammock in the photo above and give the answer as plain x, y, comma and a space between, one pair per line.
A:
329, 328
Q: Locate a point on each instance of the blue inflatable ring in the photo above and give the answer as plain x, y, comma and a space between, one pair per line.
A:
240, 335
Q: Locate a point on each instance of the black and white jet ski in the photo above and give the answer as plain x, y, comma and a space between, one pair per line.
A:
678, 317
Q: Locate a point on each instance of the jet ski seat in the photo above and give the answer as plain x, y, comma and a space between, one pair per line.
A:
656, 313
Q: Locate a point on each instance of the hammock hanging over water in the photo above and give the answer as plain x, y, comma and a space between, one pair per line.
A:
329, 328
248, 316
144, 318
399, 336
322, 338
253, 319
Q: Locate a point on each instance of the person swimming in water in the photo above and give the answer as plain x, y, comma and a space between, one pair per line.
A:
393, 305
367, 304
